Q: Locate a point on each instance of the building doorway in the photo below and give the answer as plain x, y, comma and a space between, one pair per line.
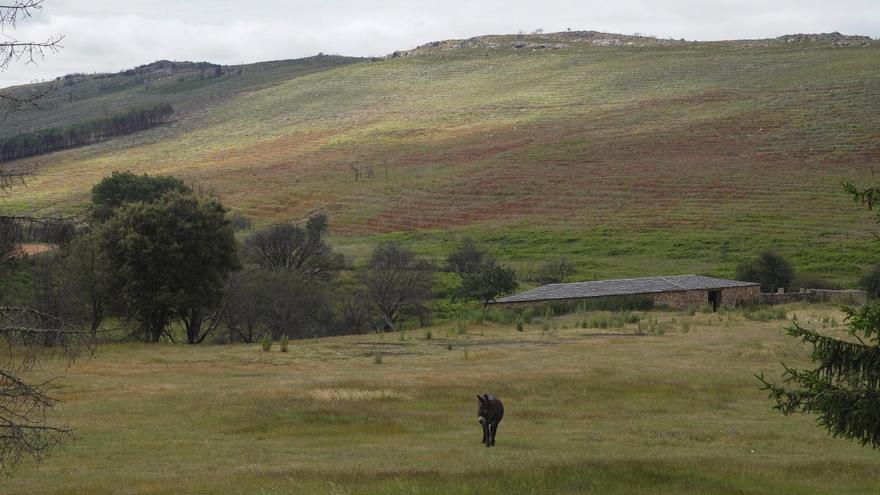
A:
714, 299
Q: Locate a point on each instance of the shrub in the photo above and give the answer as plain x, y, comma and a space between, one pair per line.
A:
377, 358
871, 282
519, 324
769, 269
555, 271
283, 343
266, 342
429, 335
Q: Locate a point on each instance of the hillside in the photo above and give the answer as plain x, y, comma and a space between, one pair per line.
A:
629, 155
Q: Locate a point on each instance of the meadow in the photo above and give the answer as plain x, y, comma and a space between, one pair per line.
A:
667, 404
628, 160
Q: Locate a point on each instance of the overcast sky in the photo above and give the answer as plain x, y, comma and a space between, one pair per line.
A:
112, 35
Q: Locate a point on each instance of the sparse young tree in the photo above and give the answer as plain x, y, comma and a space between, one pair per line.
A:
86, 271
277, 303
288, 247
397, 282
769, 269
556, 271
466, 258
843, 389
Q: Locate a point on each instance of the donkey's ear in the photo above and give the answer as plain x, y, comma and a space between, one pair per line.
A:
479, 398
486, 397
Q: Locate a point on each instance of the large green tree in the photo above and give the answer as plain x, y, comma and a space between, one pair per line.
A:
170, 259
843, 389
121, 188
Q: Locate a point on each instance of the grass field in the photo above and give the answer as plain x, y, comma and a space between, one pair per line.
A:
588, 411
629, 160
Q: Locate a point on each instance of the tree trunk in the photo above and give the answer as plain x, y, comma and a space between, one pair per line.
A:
194, 326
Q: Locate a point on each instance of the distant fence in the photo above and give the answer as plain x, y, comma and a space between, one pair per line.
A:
847, 297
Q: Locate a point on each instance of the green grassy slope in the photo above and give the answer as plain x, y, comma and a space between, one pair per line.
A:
630, 159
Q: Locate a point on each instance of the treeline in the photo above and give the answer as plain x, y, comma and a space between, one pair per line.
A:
163, 257
59, 138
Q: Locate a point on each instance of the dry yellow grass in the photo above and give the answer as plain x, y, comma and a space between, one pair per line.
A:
588, 411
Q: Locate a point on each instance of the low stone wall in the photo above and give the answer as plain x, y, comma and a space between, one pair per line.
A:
772, 298
854, 297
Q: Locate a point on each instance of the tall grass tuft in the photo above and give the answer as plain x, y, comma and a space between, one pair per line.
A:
283, 343
618, 320
377, 357
519, 324
765, 314
266, 342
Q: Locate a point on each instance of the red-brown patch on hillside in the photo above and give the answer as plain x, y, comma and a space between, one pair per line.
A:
693, 169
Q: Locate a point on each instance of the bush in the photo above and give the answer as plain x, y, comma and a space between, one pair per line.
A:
266, 342
519, 324
283, 343
555, 271
871, 282
769, 269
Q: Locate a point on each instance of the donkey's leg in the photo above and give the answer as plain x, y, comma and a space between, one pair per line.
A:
493, 430
485, 426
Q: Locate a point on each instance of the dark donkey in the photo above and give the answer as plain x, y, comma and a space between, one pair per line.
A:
490, 412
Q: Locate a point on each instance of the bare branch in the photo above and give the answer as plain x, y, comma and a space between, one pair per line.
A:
17, 10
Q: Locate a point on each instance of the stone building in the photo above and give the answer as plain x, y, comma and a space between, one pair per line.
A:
677, 292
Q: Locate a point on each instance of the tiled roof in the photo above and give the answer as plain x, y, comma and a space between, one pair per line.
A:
627, 286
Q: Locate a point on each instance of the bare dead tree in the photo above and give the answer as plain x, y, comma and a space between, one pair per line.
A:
24, 429
10, 234
397, 283
289, 247
13, 50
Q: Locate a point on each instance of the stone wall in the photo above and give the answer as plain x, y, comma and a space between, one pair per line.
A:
683, 299
854, 297
732, 297
772, 298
